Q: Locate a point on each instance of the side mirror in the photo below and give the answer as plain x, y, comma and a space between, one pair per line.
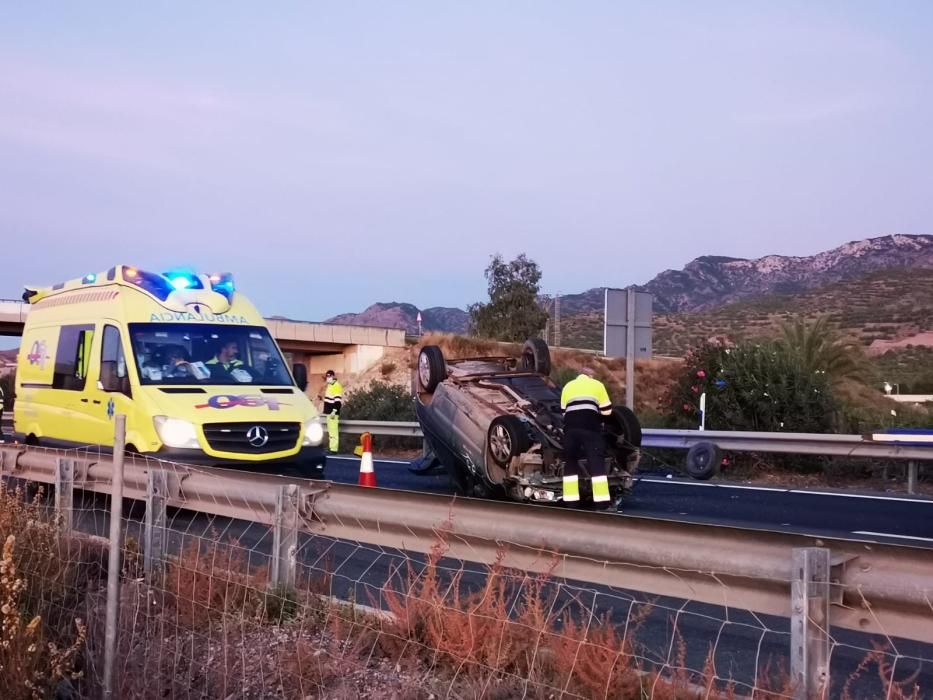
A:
109, 381
300, 370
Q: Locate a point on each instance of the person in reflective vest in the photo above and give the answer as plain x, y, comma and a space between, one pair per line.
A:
225, 361
333, 398
584, 401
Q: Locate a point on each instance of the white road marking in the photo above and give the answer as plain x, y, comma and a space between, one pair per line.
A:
675, 482
357, 459
889, 534
683, 482
864, 495
750, 488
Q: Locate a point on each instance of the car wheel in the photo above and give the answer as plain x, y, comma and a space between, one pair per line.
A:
536, 356
507, 438
624, 428
703, 460
432, 369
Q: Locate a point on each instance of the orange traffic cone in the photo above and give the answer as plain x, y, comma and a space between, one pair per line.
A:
367, 475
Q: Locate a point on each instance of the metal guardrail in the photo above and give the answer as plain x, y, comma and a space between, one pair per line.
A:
735, 441
878, 588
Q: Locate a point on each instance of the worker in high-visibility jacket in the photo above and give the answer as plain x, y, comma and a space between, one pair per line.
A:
584, 401
333, 398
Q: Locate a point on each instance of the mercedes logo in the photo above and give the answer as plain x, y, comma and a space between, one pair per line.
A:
257, 436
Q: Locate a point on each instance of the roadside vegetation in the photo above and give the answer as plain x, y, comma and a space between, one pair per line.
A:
807, 380
213, 628
512, 312
42, 586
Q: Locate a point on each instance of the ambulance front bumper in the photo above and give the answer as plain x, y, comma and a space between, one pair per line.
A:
309, 463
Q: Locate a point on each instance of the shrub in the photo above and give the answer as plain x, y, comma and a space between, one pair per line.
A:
387, 368
30, 664
562, 375
761, 387
379, 401
41, 579
210, 580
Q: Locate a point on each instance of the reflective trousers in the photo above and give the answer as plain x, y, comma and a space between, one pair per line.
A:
588, 443
333, 431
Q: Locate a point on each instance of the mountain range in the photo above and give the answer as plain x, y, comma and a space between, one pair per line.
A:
394, 314
710, 284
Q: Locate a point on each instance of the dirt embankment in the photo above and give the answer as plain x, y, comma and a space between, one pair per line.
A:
652, 377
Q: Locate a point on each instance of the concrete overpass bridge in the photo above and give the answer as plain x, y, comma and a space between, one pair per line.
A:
320, 346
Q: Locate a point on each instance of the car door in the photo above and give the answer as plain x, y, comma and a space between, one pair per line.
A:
110, 393
68, 404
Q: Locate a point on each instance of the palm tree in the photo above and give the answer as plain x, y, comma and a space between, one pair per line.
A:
819, 349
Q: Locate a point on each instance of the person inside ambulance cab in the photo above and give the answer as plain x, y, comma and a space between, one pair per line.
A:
177, 364
226, 365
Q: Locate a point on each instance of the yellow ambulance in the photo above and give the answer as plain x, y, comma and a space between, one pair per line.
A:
185, 357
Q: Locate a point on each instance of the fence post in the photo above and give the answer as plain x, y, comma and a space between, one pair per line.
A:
809, 632
113, 568
64, 491
285, 536
912, 477
154, 535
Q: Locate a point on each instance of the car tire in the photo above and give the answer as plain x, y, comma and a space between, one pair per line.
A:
432, 368
625, 427
506, 437
703, 460
536, 356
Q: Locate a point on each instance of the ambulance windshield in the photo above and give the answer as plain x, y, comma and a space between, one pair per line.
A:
206, 353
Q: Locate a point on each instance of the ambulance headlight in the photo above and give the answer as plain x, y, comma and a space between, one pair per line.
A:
314, 432
175, 432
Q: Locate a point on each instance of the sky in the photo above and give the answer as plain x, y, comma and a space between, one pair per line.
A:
332, 155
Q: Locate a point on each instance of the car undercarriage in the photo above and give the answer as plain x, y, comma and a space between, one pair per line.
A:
495, 424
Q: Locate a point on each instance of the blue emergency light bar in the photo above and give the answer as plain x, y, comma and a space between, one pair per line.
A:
161, 286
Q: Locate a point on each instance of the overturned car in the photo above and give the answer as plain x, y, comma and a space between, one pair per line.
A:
496, 426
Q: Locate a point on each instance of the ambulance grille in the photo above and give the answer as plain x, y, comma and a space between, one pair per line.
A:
235, 437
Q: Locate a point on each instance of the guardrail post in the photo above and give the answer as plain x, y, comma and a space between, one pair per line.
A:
285, 536
154, 534
116, 549
912, 477
64, 491
809, 632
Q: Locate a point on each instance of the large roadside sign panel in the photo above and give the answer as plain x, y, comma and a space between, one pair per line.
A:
622, 312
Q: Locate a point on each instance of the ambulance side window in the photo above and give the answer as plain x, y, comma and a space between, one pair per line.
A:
73, 357
113, 374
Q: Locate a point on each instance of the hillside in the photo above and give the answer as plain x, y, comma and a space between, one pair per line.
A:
884, 306
882, 310
706, 284
712, 281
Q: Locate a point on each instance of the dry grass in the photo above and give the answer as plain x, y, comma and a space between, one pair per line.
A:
207, 632
210, 581
512, 635
35, 568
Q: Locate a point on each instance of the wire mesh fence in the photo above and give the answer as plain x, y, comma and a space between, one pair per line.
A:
266, 606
